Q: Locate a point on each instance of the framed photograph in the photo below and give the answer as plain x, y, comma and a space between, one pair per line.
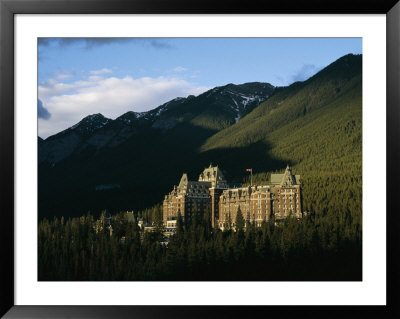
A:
174, 159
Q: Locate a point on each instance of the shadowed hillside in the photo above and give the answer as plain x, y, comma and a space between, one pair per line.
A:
131, 162
316, 126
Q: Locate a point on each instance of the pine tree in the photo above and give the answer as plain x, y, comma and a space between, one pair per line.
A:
240, 222
158, 226
229, 222
179, 225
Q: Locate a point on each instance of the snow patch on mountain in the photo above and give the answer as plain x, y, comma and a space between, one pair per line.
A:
91, 123
242, 101
232, 101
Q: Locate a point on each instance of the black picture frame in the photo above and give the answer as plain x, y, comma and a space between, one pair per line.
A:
8, 8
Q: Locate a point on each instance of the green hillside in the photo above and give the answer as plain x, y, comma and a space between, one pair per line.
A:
291, 103
139, 155
316, 126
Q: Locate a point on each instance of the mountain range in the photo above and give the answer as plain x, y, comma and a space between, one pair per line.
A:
133, 161
215, 109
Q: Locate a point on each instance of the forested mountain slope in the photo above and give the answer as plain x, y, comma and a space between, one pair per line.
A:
133, 161
316, 126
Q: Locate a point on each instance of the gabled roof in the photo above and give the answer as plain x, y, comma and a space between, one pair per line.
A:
192, 187
184, 181
285, 179
214, 175
276, 178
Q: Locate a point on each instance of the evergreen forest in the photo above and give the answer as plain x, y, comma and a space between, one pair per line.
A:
315, 126
317, 247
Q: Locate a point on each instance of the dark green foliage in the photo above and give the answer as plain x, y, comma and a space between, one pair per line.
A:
151, 214
315, 126
239, 220
316, 247
159, 226
324, 145
179, 225
147, 163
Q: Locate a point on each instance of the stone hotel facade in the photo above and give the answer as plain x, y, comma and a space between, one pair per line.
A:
212, 195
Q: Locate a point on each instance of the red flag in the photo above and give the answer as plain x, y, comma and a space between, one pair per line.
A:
249, 170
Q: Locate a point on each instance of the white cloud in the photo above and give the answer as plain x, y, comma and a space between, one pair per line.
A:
61, 75
53, 87
94, 78
101, 71
68, 103
179, 69
305, 72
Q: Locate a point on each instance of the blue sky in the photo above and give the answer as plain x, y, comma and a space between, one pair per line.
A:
78, 77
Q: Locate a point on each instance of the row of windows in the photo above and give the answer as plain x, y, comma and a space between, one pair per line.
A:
289, 191
234, 200
291, 206
224, 224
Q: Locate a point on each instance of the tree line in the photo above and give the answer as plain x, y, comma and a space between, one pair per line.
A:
317, 247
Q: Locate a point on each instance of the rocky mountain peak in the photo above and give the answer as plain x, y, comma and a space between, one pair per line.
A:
91, 123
